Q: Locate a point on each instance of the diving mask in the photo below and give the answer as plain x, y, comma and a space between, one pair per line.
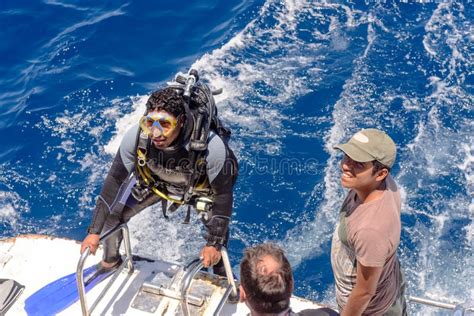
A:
163, 121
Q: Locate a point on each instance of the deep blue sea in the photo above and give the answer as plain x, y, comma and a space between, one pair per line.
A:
298, 77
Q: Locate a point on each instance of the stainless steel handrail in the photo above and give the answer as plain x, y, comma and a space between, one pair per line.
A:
221, 304
228, 270
193, 268
186, 283
457, 308
80, 269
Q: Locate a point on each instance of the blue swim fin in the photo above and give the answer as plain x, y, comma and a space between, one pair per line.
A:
62, 293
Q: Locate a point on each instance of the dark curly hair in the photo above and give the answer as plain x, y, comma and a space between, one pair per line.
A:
267, 292
168, 99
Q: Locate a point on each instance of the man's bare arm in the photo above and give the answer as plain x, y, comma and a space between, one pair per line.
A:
366, 284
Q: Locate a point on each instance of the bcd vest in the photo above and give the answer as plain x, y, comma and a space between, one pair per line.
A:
169, 174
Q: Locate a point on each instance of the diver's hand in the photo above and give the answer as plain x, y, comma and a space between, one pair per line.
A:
91, 242
210, 256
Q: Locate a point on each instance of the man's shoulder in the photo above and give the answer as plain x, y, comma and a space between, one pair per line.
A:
216, 147
130, 136
215, 139
127, 147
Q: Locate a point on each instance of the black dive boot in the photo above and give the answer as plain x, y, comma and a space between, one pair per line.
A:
102, 273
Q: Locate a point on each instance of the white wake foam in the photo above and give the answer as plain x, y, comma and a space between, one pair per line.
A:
12, 206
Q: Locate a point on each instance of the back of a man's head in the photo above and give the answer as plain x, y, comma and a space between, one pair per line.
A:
267, 279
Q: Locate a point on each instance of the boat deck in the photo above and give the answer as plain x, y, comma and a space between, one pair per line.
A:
36, 260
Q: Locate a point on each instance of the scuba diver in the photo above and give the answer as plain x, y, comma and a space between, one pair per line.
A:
178, 154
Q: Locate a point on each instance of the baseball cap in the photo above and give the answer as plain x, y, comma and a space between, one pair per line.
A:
370, 144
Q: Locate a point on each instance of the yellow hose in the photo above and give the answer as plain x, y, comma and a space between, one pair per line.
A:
145, 175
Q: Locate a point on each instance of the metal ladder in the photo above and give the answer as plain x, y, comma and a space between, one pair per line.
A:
184, 283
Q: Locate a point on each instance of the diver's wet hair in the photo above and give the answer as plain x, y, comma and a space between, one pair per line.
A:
267, 292
168, 99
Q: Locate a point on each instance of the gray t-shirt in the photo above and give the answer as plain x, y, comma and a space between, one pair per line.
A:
372, 233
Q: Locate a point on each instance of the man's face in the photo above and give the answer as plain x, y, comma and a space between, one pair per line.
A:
356, 175
163, 128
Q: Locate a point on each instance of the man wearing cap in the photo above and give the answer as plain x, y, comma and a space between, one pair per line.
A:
364, 258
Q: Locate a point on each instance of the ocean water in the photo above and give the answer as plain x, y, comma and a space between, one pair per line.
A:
298, 77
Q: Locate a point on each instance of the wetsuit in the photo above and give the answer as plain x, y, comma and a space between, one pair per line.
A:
116, 204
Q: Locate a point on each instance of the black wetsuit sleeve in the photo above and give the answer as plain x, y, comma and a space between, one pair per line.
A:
222, 189
109, 194
122, 166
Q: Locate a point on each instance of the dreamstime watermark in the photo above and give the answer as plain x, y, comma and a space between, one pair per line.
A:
256, 165
284, 166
